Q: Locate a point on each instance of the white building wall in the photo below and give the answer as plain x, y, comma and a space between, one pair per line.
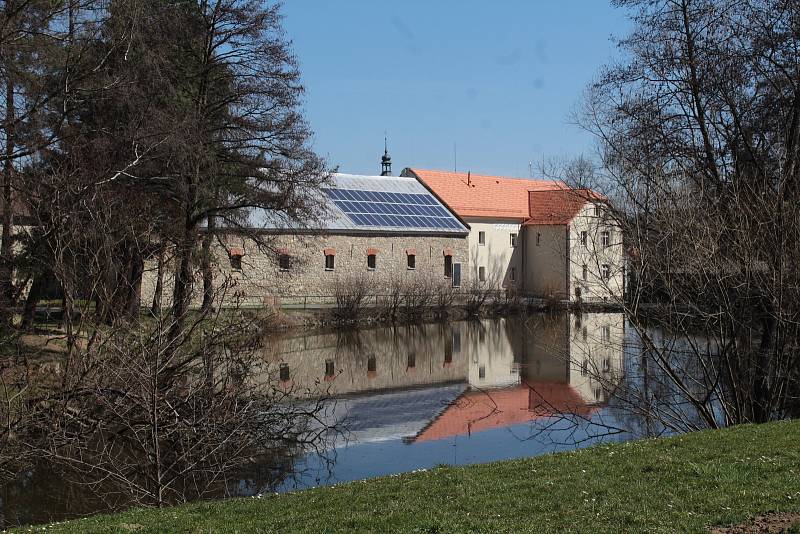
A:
595, 255
502, 262
546, 261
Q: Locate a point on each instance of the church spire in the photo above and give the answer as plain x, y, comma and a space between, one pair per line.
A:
386, 159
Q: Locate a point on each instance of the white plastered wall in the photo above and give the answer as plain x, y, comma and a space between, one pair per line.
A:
496, 255
594, 254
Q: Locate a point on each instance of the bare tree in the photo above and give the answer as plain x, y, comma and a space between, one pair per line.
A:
699, 127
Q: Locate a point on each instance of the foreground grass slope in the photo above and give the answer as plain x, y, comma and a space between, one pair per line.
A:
678, 484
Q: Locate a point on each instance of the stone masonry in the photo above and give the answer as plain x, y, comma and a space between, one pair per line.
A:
261, 280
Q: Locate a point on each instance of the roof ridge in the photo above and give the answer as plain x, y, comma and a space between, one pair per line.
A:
493, 176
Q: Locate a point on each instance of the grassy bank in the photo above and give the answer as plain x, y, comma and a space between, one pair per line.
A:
678, 484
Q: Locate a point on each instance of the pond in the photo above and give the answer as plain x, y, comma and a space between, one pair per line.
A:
413, 397
404, 398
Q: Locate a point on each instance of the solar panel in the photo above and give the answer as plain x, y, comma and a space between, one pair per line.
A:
394, 210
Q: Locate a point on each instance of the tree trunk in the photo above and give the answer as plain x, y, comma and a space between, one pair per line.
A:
34, 296
208, 273
159, 289
183, 282
762, 401
6, 252
134, 299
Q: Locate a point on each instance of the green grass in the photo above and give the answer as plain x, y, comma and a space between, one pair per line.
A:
670, 485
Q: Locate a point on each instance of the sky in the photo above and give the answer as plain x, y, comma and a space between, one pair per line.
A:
496, 80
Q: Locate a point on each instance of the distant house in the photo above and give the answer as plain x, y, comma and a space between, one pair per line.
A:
374, 233
537, 237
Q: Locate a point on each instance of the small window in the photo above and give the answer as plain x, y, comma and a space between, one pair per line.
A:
284, 262
284, 371
513, 274
372, 364
538, 239
372, 262
606, 334
585, 272
585, 333
448, 266
513, 240
236, 263
583, 238
585, 367
411, 261
412, 361
597, 211
605, 238
330, 262
481, 238
456, 341
482, 371
329, 368
482, 274
606, 365
606, 272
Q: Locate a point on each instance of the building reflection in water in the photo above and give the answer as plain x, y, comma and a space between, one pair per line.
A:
433, 381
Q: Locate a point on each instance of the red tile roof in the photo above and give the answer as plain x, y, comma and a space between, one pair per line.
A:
476, 411
476, 195
558, 207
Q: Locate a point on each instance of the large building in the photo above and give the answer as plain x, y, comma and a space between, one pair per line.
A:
536, 237
375, 232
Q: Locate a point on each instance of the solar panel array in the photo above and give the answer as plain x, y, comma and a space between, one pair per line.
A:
401, 210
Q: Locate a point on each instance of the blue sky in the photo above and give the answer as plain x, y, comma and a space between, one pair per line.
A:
497, 78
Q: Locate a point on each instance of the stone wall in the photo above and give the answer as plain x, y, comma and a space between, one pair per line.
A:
261, 281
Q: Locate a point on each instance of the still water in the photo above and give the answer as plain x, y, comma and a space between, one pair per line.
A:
412, 397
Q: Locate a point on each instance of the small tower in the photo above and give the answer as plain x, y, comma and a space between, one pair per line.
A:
386, 160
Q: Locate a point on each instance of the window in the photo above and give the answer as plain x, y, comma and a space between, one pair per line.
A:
597, 210
448, 266
456, 341
284, 262
606, 365
538, 239
412, 361
411, 261
606, 334
482, 372
583, 238
481, 238
606, 272
513, 240
236, 263
329, 368
284, 370
372, 365
585, 272
513, 274
330, 262
372, 261
482, 274
605, 238
585, 367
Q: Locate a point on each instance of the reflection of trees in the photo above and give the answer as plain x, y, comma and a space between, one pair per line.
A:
657, 394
